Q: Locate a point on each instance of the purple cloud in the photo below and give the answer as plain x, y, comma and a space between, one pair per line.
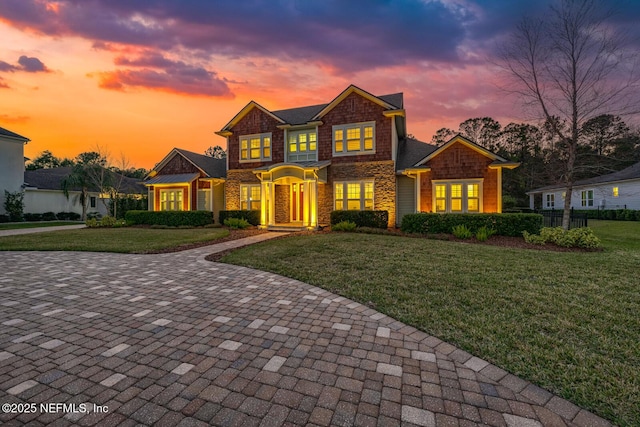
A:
6, 67
32, 65
154, 71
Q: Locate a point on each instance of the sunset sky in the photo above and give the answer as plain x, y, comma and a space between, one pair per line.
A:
141, 77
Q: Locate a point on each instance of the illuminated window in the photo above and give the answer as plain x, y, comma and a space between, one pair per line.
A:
353, 195
302, 145
356, 138
457, 196
250, 197
550, 201
586, 198
254, 148
171, 200
616, 192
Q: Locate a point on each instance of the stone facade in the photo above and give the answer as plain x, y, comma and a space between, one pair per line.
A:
282, 203
232, 186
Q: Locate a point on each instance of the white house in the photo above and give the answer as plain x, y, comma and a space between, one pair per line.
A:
11, 163
618, 190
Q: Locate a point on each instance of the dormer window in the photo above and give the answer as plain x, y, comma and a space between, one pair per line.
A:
255, 148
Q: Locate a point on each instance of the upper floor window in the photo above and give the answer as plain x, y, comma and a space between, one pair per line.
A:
355, 138
255, 148
302, 145
586, 198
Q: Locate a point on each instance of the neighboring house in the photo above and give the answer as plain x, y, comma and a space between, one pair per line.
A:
11, 163
43, 193
617, 190
187, 181
299, 164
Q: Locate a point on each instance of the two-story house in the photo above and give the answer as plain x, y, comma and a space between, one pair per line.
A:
298, 165
11, 163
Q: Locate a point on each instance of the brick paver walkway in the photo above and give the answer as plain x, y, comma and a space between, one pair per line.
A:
175, 340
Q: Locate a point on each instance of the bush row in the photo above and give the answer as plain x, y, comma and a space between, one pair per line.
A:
373, 219
574, 238
47, 216
170, 218
504, 224
252, 217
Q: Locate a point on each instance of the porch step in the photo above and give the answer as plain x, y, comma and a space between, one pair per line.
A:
286, 228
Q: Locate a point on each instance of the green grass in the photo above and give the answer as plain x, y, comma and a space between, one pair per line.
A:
125, 240
20, 225
565, 321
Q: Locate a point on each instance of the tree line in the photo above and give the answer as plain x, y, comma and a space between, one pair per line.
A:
605, 144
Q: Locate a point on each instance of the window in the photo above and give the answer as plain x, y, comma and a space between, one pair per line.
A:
255, 147
354, 139
586, 198
550, 201
93, 201
457, 196
616, 192
302, 145
250, 197
171, 200
353, 195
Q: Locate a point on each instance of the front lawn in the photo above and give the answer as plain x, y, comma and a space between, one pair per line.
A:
126, 239
20, 225
565, 321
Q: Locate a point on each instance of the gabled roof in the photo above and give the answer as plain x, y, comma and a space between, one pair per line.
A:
8, 134
632, 172
306, 114
411, 151
209, 166
51, 179
247, 108
497, 160
380, 100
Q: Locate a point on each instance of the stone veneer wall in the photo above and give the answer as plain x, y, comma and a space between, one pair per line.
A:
282, 203
232, 186
384, 186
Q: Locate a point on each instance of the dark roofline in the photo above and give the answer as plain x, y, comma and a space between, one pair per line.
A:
8, 134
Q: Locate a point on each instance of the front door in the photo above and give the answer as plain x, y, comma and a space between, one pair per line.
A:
297, 201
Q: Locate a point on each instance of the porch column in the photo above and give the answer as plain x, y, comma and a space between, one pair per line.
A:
313, 204
264, 200
531, 201
272, 203
306, 204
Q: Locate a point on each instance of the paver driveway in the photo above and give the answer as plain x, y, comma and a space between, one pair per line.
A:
175, 340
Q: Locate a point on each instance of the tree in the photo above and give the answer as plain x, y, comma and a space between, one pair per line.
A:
484, 131
88, 172
216, 152
442, 135
601, 132
44, 160
14, 205
570, 64
78, 179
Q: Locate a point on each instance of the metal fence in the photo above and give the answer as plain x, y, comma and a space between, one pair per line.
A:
554, 219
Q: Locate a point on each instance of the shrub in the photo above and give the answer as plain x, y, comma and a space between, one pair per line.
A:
30, 217
503, 224
574, 238
252, 217
122, 205
461, 231
49, 216
237, 223
611, 214
4, 218
170, 218
68, 216
108, 221
535, 239
344, 226
484, 233
373, 219
14, 205
92, 223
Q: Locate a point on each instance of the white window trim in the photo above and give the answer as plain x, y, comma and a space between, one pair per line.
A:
179, 204
311, 155
345, 193
546, 201
586, 200
344, 128
464, 183
262, 136
249, 200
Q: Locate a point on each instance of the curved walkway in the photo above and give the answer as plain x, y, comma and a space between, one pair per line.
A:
172, 339
18, 231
